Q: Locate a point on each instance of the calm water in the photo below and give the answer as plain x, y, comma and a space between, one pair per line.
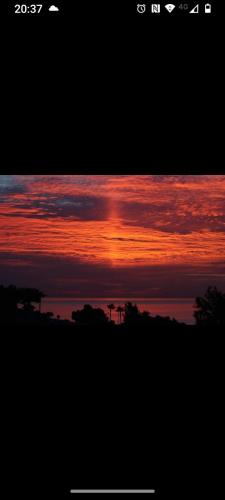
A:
180, 309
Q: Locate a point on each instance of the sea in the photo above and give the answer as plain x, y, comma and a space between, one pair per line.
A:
179, 308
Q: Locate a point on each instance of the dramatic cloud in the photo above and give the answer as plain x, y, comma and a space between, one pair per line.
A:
126, 235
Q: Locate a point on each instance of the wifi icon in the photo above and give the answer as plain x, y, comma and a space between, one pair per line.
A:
170, 7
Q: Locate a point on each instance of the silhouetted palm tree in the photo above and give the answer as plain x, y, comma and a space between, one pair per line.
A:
110, 307
119, 310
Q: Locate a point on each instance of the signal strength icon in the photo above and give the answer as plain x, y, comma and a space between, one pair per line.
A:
195, 10
170, 7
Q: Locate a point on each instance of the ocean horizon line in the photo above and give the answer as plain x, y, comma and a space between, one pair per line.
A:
180, 308
115, 298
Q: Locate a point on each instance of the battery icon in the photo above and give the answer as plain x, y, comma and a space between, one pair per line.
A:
208, 8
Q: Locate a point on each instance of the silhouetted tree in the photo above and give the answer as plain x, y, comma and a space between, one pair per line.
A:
132, 313
133, 316
49, 314
11, 297
145, 315
90, 315
210, 309
119, 310
110, 307
29, 296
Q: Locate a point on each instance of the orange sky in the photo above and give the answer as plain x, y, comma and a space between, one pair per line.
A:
113, 222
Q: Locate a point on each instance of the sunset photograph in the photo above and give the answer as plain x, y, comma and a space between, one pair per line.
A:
155, 242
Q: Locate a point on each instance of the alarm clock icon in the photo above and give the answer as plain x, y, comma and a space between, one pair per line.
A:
141, 8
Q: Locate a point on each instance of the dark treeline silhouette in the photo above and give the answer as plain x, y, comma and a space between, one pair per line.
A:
132, 317
12, 297
129, 312
23, 305
89, 384
210, 309
90, 315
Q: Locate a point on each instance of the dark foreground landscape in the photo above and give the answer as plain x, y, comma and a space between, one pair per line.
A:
98, 405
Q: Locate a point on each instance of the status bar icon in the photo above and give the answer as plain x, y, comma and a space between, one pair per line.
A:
155, 8
170, 7
141, 8
53, 8
195, 10
208, 8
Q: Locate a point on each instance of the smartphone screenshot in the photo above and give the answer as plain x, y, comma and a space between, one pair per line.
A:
112, 238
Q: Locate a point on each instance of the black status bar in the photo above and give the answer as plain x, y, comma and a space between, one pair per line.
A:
110, 9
